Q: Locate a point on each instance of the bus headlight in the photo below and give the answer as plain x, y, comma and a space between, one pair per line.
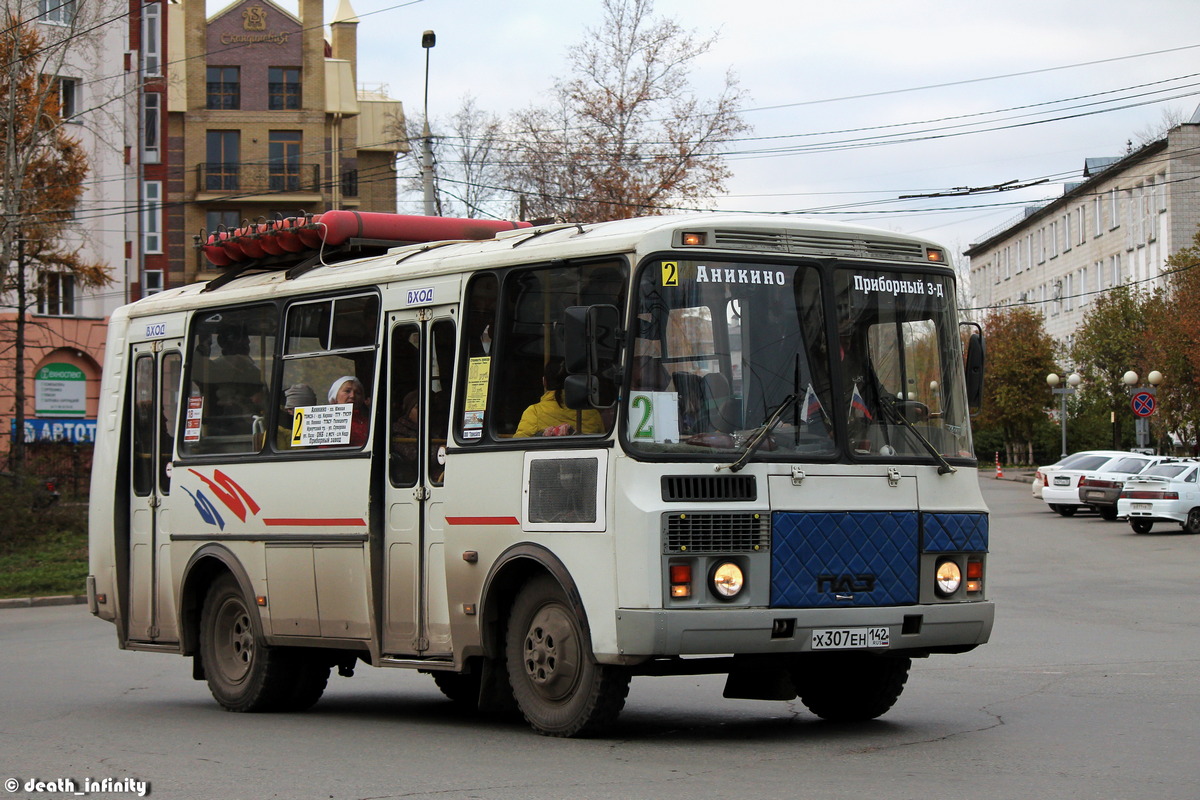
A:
727, 580
949, 577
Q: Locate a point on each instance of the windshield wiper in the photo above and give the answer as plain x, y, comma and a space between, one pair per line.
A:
888, 402
760, 436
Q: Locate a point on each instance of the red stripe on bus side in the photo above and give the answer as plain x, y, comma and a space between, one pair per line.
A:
482, 521
313, 522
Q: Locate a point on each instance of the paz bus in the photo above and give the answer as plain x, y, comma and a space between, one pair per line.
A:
534, 462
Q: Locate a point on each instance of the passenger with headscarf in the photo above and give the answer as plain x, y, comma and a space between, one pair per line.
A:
350, 390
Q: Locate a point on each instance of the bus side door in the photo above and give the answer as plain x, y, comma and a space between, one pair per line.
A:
416, 617
153, 413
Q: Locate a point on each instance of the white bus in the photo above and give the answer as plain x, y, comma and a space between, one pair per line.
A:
537, 465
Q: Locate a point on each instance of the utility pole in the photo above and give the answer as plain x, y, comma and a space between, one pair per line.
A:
428, 40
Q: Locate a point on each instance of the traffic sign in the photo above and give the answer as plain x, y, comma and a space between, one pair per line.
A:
1143, 404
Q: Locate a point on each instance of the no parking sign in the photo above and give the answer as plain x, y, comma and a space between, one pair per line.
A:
1143, 404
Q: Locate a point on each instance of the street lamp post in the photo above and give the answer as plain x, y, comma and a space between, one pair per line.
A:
1073, 380
1142, 422
428, 40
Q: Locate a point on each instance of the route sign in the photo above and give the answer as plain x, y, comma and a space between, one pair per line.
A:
1143, 404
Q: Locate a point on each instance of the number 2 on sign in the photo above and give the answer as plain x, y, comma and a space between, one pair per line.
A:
670, 273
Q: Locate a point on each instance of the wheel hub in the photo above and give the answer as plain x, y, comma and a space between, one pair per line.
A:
551, 656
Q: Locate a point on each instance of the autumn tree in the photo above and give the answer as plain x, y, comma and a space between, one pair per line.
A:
1172, 343
1019, 355
625, 134
1109, 343
41, 180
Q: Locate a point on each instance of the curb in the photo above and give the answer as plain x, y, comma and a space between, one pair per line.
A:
38, 602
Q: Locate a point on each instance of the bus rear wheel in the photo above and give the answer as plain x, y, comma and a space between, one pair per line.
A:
244, 674
849, 687
558, 686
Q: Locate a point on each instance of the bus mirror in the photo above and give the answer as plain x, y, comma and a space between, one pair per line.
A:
591, 339
577, 391
575, 340
975, 367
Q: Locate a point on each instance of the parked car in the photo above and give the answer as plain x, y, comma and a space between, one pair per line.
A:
1042, 476
1165, 492
44, 490
1061, 492
1100, 489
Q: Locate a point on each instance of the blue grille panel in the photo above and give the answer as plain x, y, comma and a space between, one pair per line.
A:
959, 533
842, 546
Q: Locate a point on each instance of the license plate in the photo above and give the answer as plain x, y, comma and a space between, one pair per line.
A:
1140, 506
1062, 480
850, 638
1095, 495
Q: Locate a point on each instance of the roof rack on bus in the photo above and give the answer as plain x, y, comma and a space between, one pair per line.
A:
300, 243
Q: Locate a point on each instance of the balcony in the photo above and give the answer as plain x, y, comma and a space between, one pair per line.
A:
216, 180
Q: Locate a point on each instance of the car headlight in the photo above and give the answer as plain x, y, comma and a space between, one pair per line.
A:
727, 580
949, 577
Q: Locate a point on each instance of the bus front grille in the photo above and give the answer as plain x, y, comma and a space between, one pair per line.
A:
716, 533
708, 488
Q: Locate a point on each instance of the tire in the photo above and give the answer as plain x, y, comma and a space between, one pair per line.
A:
558, 686
1193, 522
1066, 511
849, 687
1141, 525
1107, 513
461, 688
244, 674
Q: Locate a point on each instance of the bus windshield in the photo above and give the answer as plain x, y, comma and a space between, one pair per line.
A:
720, 347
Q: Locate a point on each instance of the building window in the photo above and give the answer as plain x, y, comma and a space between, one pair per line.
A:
222, 150
1081, 218
224, 87
1098, 214
152, 282
151, 123
57, 12
283, 88
1116, 270
1068, 241
68, 97
151, 38
152, 217
222, 219
56, 294
283, 156
1114, 207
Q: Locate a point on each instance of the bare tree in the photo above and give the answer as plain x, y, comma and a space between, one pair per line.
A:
467, 153
1171, 117
626, 134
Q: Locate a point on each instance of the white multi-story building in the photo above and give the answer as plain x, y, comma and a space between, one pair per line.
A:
1115, 228
95, 55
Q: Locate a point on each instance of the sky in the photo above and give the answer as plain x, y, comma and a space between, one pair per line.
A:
977, 93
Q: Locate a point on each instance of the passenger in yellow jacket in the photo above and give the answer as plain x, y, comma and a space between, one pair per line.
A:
549, 417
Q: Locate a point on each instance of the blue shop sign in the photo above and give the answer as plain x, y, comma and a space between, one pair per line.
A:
75, 431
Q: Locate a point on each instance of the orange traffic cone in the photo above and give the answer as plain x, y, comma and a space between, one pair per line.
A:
999, 471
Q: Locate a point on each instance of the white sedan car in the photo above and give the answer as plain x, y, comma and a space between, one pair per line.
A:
1061, 491
1042, 476
1165, 492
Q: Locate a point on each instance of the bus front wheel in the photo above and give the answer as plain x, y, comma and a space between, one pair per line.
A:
850, 687
558, 686
242, 673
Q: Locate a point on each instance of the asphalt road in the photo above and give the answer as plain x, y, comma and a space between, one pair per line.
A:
1090, 688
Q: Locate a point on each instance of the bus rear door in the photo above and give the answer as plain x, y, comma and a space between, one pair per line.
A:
416, 618
155, 393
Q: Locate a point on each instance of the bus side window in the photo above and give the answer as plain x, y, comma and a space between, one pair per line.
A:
232, 353
479, 329
406, 406
328, 359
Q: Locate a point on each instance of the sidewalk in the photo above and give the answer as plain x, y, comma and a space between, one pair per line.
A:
32, 602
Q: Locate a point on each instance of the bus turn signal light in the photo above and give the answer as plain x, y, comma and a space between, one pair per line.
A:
974, 576
693, 239
681, 580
